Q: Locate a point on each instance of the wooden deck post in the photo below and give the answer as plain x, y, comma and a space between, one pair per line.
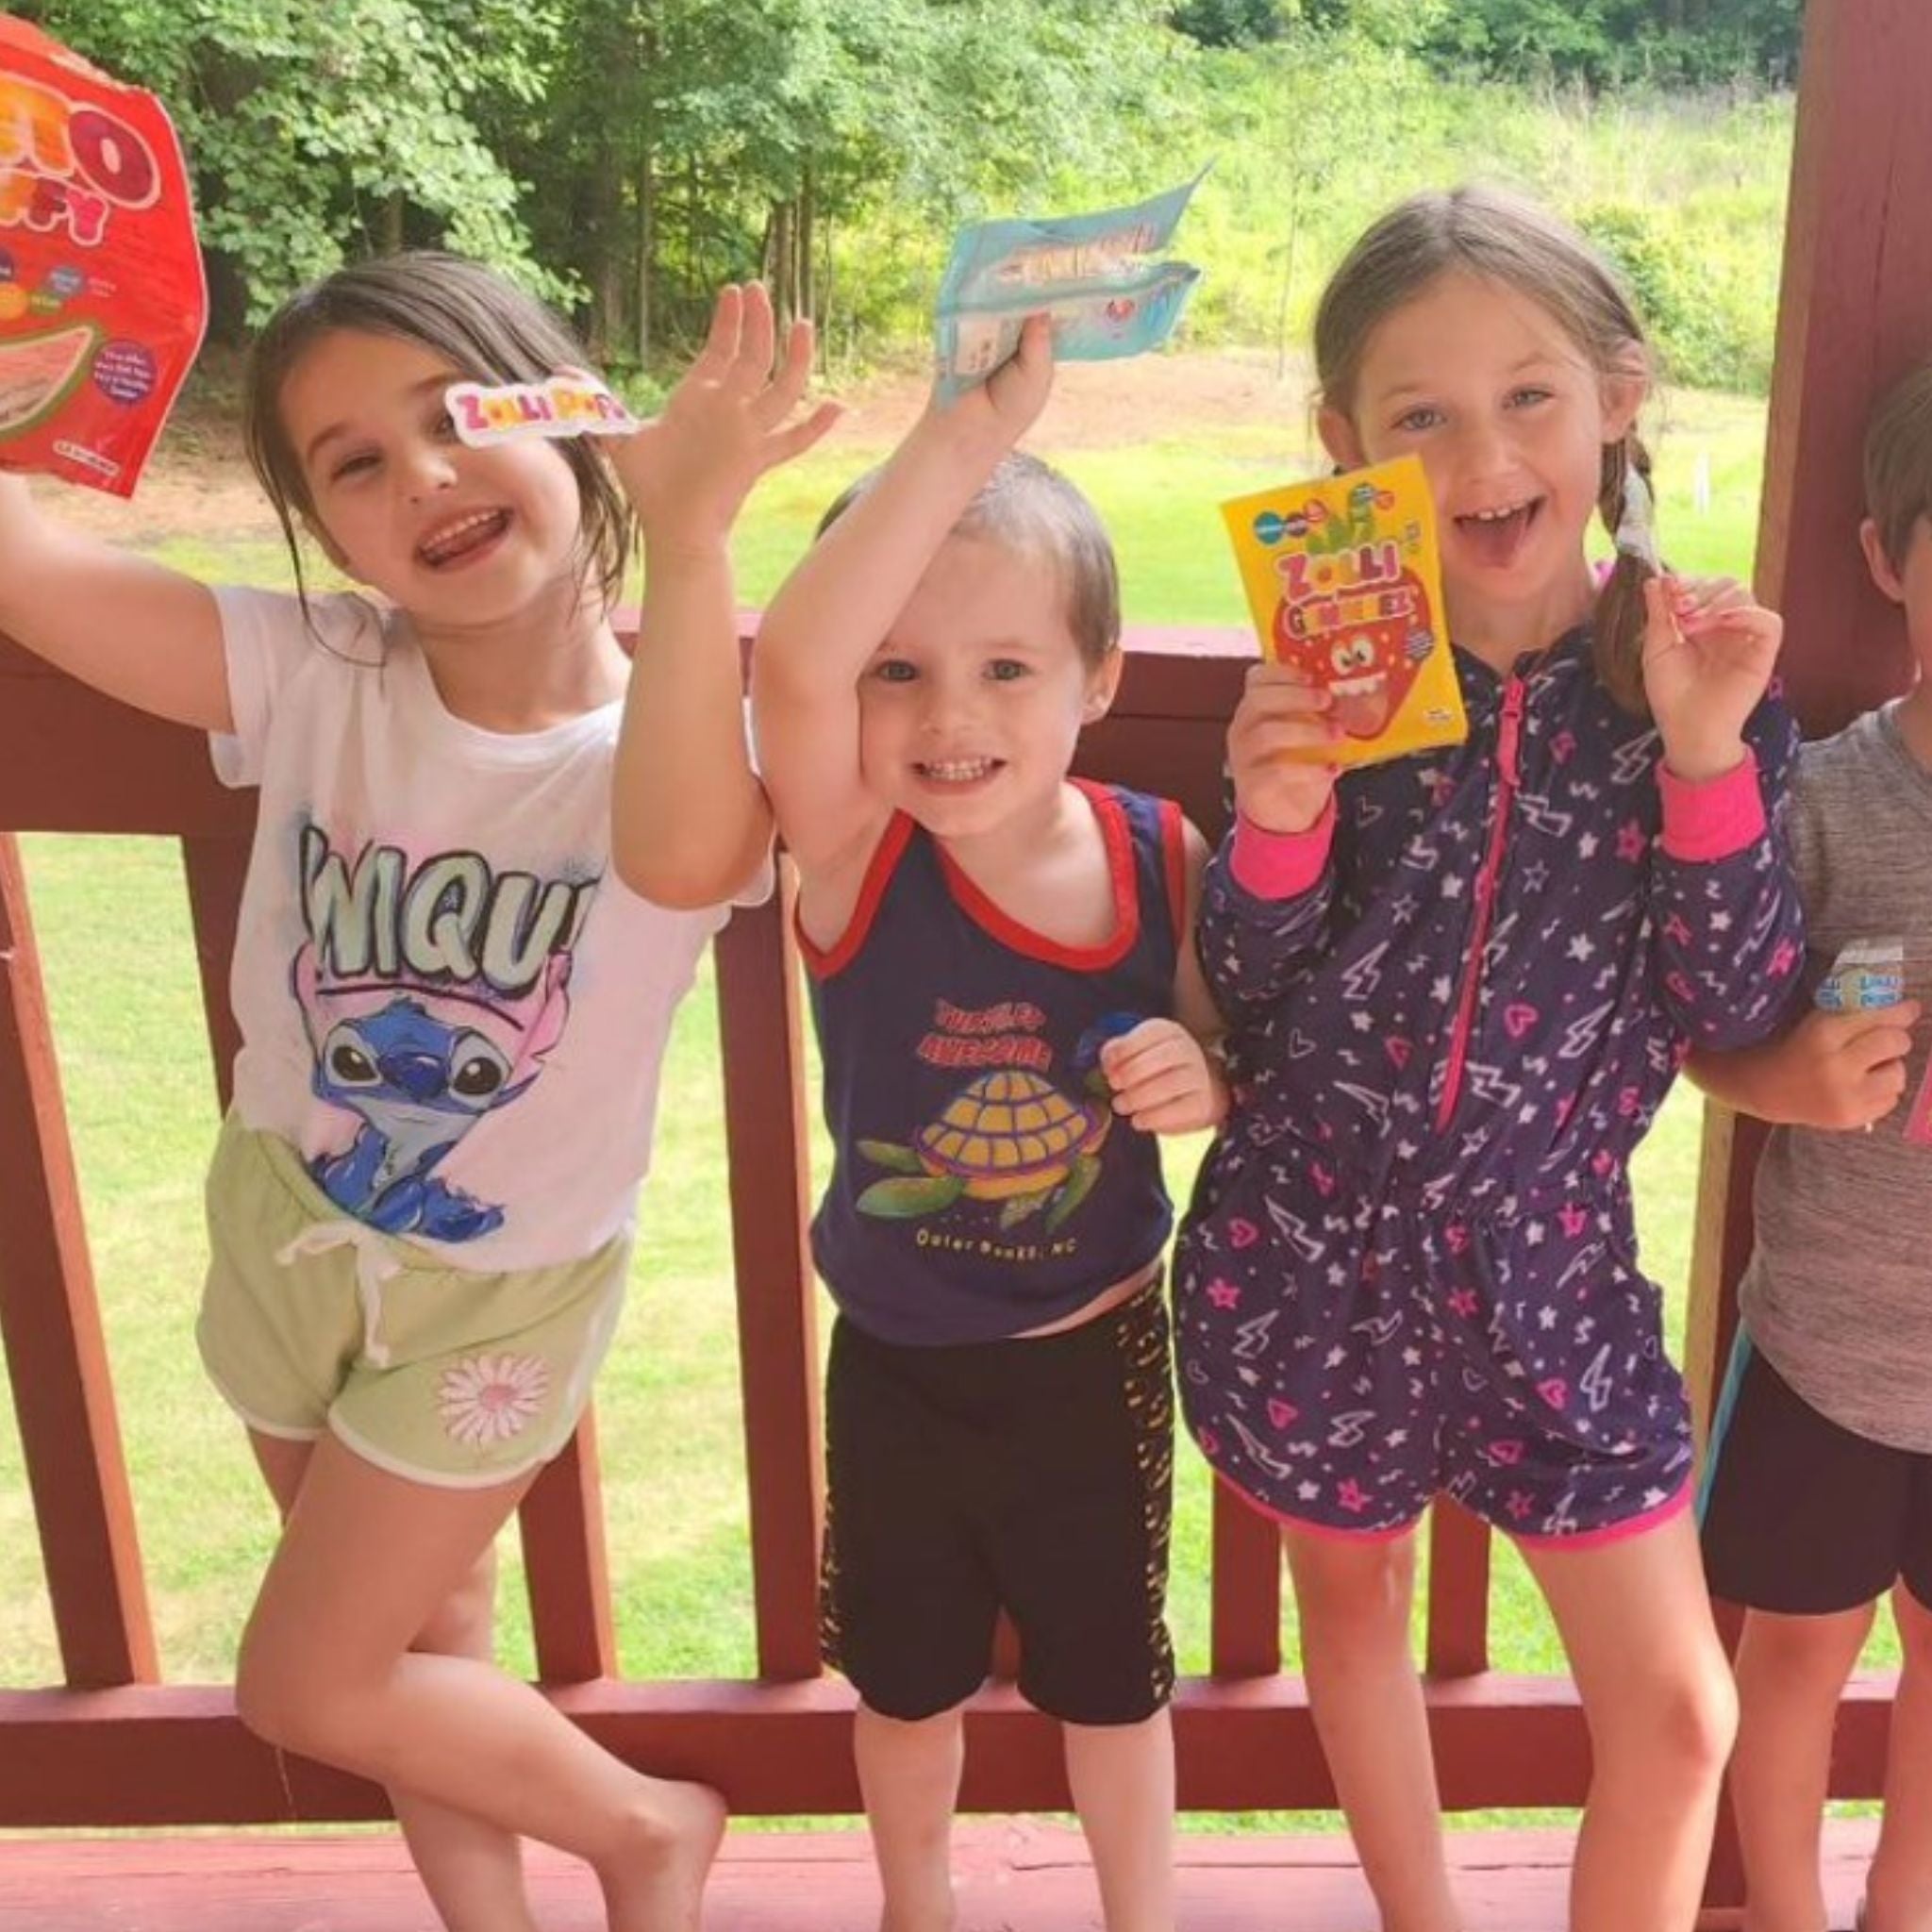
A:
56, 1354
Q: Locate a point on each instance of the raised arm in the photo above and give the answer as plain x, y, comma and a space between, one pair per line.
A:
836, 609
690, 824
135, 630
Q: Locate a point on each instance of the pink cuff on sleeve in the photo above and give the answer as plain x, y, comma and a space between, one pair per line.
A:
1281, 865
1713, 819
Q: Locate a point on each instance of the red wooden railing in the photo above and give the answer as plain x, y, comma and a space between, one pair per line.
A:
112, 1745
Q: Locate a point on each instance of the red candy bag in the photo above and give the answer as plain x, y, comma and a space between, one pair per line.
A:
102, 298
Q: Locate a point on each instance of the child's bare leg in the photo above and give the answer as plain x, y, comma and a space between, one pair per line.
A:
1898, 1893
472, 1871
1122, 1777
1635, 1622
1355, 1595
326, 1668
908, 1774
1790, 1671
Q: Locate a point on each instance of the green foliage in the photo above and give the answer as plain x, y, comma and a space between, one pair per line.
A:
1612, 42
1232, 23
1315, 135
319, 133
1700, 337
626, 156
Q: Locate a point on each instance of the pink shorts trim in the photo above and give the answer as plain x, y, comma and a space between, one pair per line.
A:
1712, 820
1281, 865
1340, 1532
1615, 1532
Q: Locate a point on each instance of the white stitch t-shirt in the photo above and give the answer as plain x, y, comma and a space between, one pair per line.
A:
449, 1003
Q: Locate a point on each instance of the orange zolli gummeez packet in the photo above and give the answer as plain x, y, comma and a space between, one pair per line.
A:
1344, 580
102, 297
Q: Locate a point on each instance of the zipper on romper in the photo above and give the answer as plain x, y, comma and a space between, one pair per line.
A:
1508, 736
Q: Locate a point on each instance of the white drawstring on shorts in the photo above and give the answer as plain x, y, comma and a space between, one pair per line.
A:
376, 1263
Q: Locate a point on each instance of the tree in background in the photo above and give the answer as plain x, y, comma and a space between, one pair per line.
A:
707, 139
624, 156
1606, 41
317, 133
1233, 22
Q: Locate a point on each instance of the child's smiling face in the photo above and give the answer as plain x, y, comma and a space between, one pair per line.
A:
1510, 417
457, 537
969, 709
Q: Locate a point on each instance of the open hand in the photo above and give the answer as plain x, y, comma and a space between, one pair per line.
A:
1163, 1080
1277, 747
1709, 648
731, 418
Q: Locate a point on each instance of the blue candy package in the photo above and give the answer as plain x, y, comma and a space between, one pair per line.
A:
1867, 976
1092, 274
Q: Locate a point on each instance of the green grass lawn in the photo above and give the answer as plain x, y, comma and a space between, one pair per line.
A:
1160, 500
114, 939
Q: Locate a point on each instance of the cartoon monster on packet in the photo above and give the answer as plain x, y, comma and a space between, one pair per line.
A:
1343, 577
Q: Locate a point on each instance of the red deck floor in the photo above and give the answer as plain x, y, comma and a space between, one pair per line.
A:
1015, 1876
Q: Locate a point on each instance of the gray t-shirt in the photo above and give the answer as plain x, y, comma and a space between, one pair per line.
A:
1838, 1291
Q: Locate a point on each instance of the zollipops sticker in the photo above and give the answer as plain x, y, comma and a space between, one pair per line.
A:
486, 413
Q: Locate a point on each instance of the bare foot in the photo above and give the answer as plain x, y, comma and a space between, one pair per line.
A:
944, 1920
659, 1883
926, 1904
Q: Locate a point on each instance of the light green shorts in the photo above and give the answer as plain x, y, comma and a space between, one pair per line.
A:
314, 1321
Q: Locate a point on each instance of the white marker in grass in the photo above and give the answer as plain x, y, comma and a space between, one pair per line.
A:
486, 413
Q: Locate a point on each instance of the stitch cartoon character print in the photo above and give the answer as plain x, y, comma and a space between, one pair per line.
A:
430, 994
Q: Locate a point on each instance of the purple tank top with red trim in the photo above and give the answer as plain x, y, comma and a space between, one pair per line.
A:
981, 1184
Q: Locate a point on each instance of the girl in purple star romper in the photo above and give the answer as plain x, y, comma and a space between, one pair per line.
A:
1459, 987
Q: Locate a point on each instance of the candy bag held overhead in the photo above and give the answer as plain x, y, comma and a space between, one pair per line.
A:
1344, 580
101, 299
1088, 273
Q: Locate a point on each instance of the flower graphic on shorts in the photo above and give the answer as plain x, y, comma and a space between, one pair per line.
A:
488, 1398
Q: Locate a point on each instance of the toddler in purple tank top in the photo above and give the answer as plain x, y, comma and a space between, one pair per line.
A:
1008, 1009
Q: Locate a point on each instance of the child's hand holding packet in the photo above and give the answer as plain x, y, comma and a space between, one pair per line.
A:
1089, 275
1343, 579
1869, 976
102, 301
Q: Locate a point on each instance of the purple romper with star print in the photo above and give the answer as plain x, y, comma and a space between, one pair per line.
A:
1454, 1007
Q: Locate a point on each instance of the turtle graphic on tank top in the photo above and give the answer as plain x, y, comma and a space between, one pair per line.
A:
1010, 1137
